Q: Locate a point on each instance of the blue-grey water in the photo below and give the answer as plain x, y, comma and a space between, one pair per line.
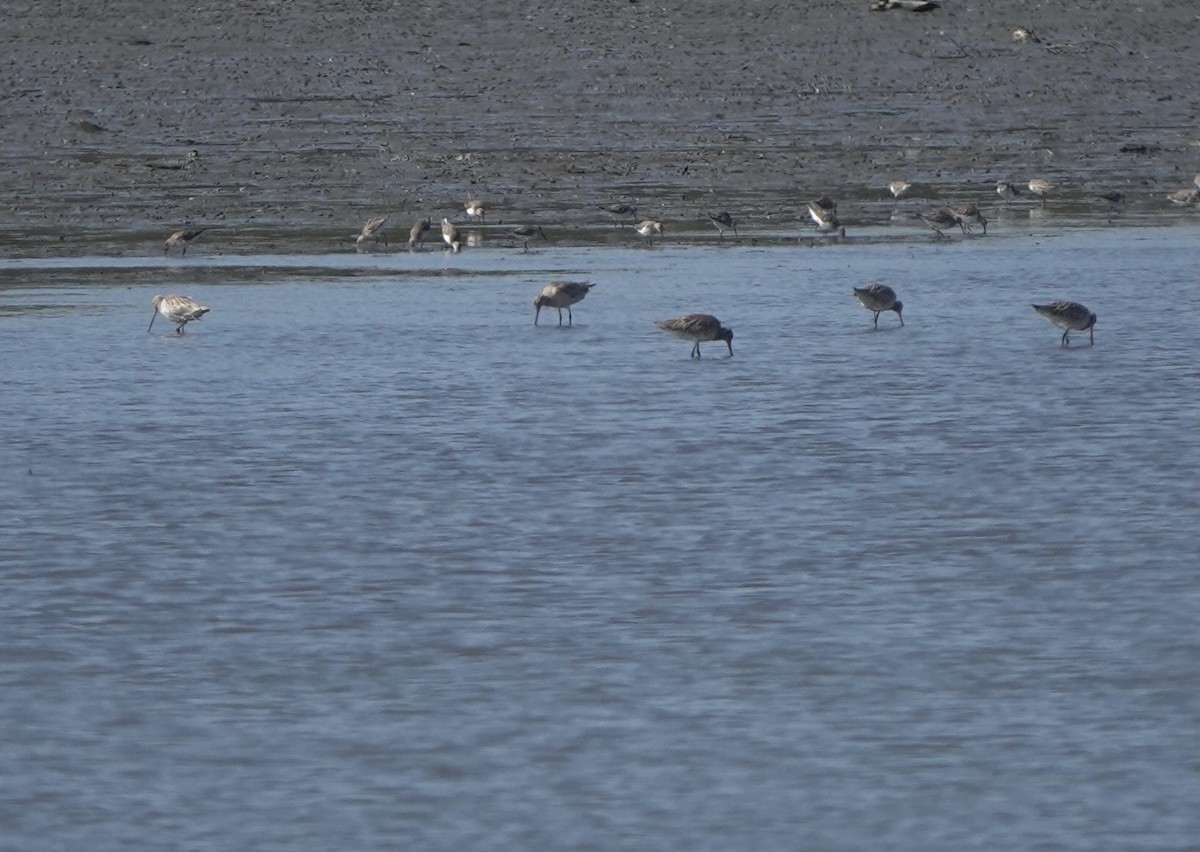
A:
365, 560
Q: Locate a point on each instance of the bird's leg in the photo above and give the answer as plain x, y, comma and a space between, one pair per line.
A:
560, 317
570, 319
1091, 337
877, 319
696, 349
1066, 339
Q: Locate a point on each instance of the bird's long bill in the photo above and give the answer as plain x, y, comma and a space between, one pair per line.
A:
537, 309
729, 343
152, 318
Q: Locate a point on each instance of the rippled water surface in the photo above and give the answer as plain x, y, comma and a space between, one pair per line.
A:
365, 559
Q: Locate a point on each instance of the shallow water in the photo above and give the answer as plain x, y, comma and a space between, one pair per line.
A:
365, 558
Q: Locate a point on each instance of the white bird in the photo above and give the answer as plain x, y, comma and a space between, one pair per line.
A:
181, 238
178, 309
879, 298
698, 328
1069, 316
560, 294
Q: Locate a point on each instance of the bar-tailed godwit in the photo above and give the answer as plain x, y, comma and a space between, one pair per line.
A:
178, 309
181, 238
373, 229
698, 328
560, 294
1069, 316
878, 298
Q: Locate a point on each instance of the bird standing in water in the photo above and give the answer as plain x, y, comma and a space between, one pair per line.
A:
178, 309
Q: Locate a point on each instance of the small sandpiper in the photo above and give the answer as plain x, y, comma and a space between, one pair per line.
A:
1041, 188
619, 209
899, 188
648, 228
1006, 190
879, 298
527, 232
474, 208
823, 212
1184, 197
722, 221
181, 238
450, 235
698, 328
560, 294
940, 218
416, 234
968, 215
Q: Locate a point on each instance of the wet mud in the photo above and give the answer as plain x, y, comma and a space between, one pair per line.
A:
285, 125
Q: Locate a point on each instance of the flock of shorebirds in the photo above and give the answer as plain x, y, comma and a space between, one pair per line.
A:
704, 328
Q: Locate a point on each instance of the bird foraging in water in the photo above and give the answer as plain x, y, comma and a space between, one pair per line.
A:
560, 294
878, 298
474, 208
450, 235
373, 229
178, 309
940, 219
823, 212
722, 221
416, 234
648, 228
1069, 316
181, 238
899, 188
969, 215
527, 232
1184, 197
698, 328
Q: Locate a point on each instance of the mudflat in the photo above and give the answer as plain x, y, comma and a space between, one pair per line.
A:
305, 118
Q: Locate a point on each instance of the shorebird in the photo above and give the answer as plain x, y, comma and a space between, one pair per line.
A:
698, 328
1184, 197
648, 228
526, 232
1024, 34
619, 209
824, 214
969, 215
181, 238
1069, 316
722, 221
450, 235
940, 218
373, 229
1007, 191
1113, 198
560, 294
416, 234
1040, 187
899, 188
178, 309
474, 208
879, 298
